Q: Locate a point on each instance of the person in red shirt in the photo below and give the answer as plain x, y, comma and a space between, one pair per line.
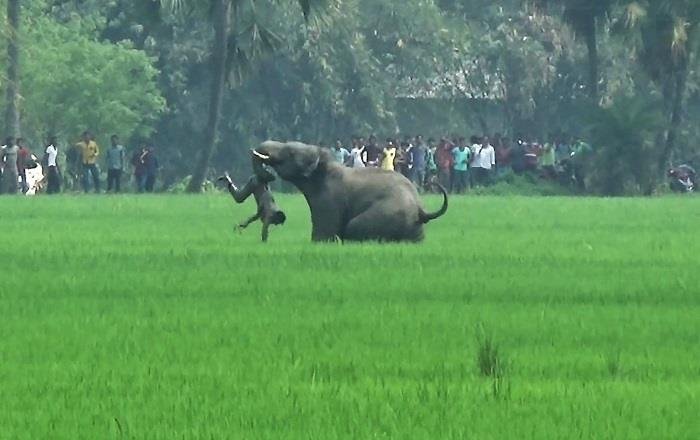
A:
444, 162
23, 158
503, 156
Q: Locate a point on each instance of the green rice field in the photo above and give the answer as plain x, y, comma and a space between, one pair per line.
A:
125, 317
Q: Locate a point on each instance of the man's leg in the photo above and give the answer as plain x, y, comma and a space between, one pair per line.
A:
141, 182
110, 179
420, 179
117, 181
53, 181
86, 178
95, 177
240, 195
10, 180
23, 178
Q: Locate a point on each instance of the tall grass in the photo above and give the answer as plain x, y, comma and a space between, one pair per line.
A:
148, 317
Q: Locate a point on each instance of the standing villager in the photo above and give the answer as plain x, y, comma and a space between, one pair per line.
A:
548, 160
431, 167
358, 155
475, 142
503, 156
8, 156
373, 152
151, 166
340, 153
116, 156
24, 157
52, 172
388, 155
402, 163
139, 164
419, 154
443, 155
460, 174
89, 151
579, 160
484, 162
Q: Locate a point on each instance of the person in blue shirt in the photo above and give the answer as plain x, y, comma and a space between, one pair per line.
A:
340, 154
460, 175
116, 158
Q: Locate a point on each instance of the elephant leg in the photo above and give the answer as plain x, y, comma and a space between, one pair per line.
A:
326, 222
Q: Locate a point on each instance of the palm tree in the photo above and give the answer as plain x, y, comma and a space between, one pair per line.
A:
12, 115
666, 33
224, 13
583, 17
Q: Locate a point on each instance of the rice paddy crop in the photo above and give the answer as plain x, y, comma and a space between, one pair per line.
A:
150, 318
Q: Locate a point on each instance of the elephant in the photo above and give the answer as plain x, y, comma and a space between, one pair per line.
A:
350, 204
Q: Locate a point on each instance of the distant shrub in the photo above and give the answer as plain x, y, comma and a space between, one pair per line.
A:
512, 184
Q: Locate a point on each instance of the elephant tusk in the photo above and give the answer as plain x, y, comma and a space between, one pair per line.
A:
261, 156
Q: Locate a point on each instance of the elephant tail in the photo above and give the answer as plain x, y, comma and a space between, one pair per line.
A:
425, 217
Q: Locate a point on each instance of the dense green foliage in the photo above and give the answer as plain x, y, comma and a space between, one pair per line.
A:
519, 67
518, 317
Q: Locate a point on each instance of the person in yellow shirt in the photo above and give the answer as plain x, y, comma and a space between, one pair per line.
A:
389, 155
89, 151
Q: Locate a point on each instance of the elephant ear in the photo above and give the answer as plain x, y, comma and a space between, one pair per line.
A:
308, 161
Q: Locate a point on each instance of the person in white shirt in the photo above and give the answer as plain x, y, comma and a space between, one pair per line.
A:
357, 154
52, 176
484, 162
475, 142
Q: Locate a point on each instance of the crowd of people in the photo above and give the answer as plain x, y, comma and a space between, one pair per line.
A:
17, 163
459, 165
456, 163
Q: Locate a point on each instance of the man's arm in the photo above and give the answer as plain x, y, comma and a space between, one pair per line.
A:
244, 224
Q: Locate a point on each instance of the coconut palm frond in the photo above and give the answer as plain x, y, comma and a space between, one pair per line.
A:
679, 40
634, 13
173, 5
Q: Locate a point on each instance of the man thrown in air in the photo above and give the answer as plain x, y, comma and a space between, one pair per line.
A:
259, 186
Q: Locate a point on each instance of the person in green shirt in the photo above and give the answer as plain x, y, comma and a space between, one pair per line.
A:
579, 159
460, 175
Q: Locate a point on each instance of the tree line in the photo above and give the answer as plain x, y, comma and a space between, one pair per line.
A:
205, 80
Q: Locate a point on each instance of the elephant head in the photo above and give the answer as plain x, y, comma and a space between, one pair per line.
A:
293, 161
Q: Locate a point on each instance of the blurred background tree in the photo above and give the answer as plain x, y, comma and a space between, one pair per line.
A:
163, 72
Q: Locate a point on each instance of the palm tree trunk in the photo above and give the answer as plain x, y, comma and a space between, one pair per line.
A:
12, 116
593, 61
680, 81
222, 26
